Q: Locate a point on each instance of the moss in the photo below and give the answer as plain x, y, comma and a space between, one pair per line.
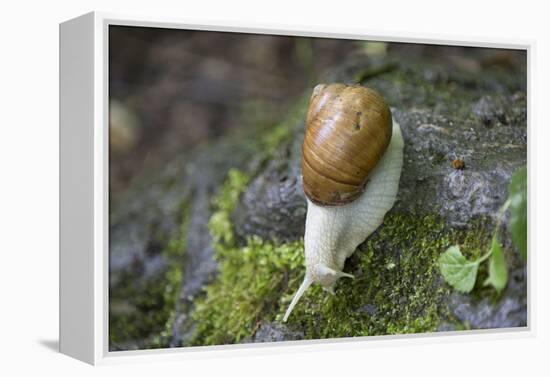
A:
397, 289
225, 202
273, 138
252, 277
136, 309
141, 307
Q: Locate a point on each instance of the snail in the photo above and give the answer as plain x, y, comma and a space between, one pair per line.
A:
352, 158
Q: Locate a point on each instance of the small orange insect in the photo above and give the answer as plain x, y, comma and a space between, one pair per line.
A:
459, 164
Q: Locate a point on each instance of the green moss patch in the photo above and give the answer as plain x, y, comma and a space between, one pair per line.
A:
251, 278
397, 288
272, 139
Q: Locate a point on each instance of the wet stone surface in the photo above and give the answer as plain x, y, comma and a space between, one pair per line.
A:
275, 332
274, 206
485, 129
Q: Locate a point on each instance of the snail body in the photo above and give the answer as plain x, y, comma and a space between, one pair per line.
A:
342, 213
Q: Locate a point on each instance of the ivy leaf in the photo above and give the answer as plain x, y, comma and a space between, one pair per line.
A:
458, 271
517, 193
498, 272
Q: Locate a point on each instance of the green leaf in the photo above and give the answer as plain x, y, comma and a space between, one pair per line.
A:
517, 193
458, 271
498, 271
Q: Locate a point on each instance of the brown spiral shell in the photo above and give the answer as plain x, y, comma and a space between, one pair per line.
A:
348, 130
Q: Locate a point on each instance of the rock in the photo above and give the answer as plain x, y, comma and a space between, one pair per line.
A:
370, 309
439, 123
453, 115
206, 173
275, 332
274, 205
507, 311
141, 226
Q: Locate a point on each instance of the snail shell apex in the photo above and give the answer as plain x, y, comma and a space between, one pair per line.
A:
348, 130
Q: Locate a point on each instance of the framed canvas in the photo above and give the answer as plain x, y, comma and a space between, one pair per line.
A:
235, 189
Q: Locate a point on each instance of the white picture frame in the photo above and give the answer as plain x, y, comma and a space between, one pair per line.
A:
84, 192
